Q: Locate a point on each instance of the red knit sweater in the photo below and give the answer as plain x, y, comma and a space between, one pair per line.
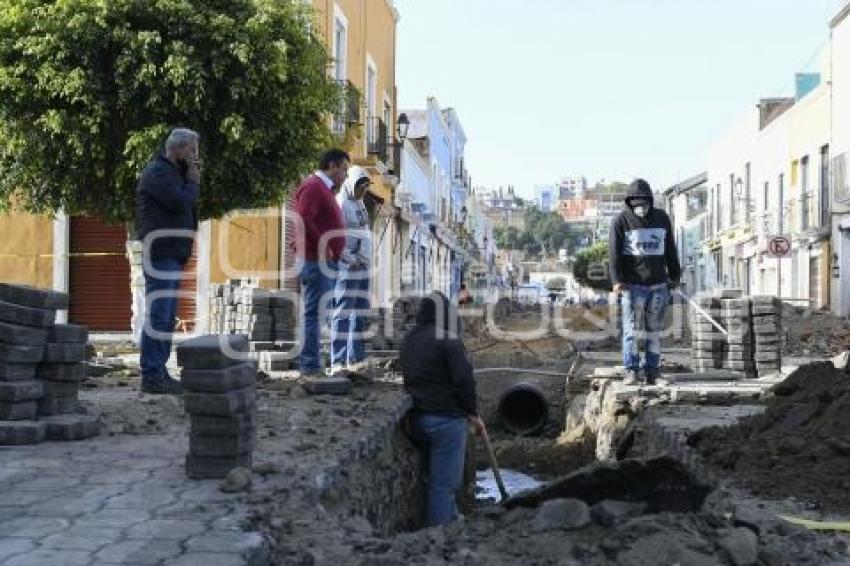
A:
320, 214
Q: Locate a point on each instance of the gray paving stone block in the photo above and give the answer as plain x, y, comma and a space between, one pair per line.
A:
236, 401
45, 557
253, 547
739, 365
72, 372
17, 354
22, 335
48, 406
68, 333
60, 389
76, 538
211, 559
21, 411
219, 381
222, 446
65, 352
199, 468
26, 316
34, 527
234, 425
140, 552
328, 386
166, 529
29, 296
19, 433
213, 352
17, 372
15, 391
12, 546
71, 427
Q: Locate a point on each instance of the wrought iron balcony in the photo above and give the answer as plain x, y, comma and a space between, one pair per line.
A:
349, 107
376, 138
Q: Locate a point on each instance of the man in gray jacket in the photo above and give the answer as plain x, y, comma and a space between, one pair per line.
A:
351, 296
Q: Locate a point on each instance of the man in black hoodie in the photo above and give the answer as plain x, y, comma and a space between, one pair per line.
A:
644, 267
438, 375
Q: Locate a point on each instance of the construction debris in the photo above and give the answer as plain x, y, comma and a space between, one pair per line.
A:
800, 447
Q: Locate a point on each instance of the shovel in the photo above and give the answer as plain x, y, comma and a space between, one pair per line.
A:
495, 465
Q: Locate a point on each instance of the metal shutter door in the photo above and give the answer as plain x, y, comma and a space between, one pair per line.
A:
99, 275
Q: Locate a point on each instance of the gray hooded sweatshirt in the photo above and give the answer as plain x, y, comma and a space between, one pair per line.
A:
355, 217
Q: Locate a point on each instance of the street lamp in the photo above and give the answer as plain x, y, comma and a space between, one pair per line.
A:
402, 126
402, 129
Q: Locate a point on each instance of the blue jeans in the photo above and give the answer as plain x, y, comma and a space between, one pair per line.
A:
348, 324
443, 437
644, 308
316, 288
160, 313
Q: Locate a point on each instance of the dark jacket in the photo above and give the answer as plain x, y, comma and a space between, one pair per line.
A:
166, 200
437, 372
642, 251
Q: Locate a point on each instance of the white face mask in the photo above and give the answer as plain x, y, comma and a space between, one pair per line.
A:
641, 210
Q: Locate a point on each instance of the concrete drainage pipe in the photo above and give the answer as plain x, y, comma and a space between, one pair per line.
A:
523, 409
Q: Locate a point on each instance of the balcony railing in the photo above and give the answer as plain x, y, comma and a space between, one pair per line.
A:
349, 107
376, 138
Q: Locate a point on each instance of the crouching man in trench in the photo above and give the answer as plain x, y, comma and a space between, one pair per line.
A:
438, 375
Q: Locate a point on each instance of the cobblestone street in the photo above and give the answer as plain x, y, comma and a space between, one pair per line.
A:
116, 500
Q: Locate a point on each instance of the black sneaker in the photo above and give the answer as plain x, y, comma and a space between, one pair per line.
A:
651, 376
168, 386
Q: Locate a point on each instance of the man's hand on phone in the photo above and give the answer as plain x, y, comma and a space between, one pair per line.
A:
193, 173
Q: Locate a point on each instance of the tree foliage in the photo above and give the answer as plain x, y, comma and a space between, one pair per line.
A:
591, 267
90, 88
556, 284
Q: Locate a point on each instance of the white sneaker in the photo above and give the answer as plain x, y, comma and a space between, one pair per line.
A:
632, 377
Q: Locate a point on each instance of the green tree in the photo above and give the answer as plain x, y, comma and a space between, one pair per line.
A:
590, 267
507, 237
90, 88
556, 284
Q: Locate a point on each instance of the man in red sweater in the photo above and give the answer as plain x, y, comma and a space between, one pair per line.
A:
319, 245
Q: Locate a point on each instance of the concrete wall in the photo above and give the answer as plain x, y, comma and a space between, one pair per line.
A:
26, 249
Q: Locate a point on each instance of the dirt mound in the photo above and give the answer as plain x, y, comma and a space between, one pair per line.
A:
799, 447
814, 333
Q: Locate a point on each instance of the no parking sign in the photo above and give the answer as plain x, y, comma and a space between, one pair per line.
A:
779, 246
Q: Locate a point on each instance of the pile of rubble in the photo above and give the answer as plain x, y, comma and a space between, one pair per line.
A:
41, 366
811, 333
799, 447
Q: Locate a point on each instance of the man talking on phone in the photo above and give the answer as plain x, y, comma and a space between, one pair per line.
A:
644, 267
166, 199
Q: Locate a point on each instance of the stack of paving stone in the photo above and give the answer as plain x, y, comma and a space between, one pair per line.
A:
26, 317
41, 366
739, 349
220, 396
63, 368
767, 326
391, 326
706, 339
241, 307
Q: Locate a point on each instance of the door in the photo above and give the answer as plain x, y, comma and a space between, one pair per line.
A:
99, 275
814, 283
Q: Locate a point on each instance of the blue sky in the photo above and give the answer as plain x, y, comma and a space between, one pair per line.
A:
604, 88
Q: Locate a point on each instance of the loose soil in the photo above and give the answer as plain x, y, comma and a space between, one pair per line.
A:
800, 447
